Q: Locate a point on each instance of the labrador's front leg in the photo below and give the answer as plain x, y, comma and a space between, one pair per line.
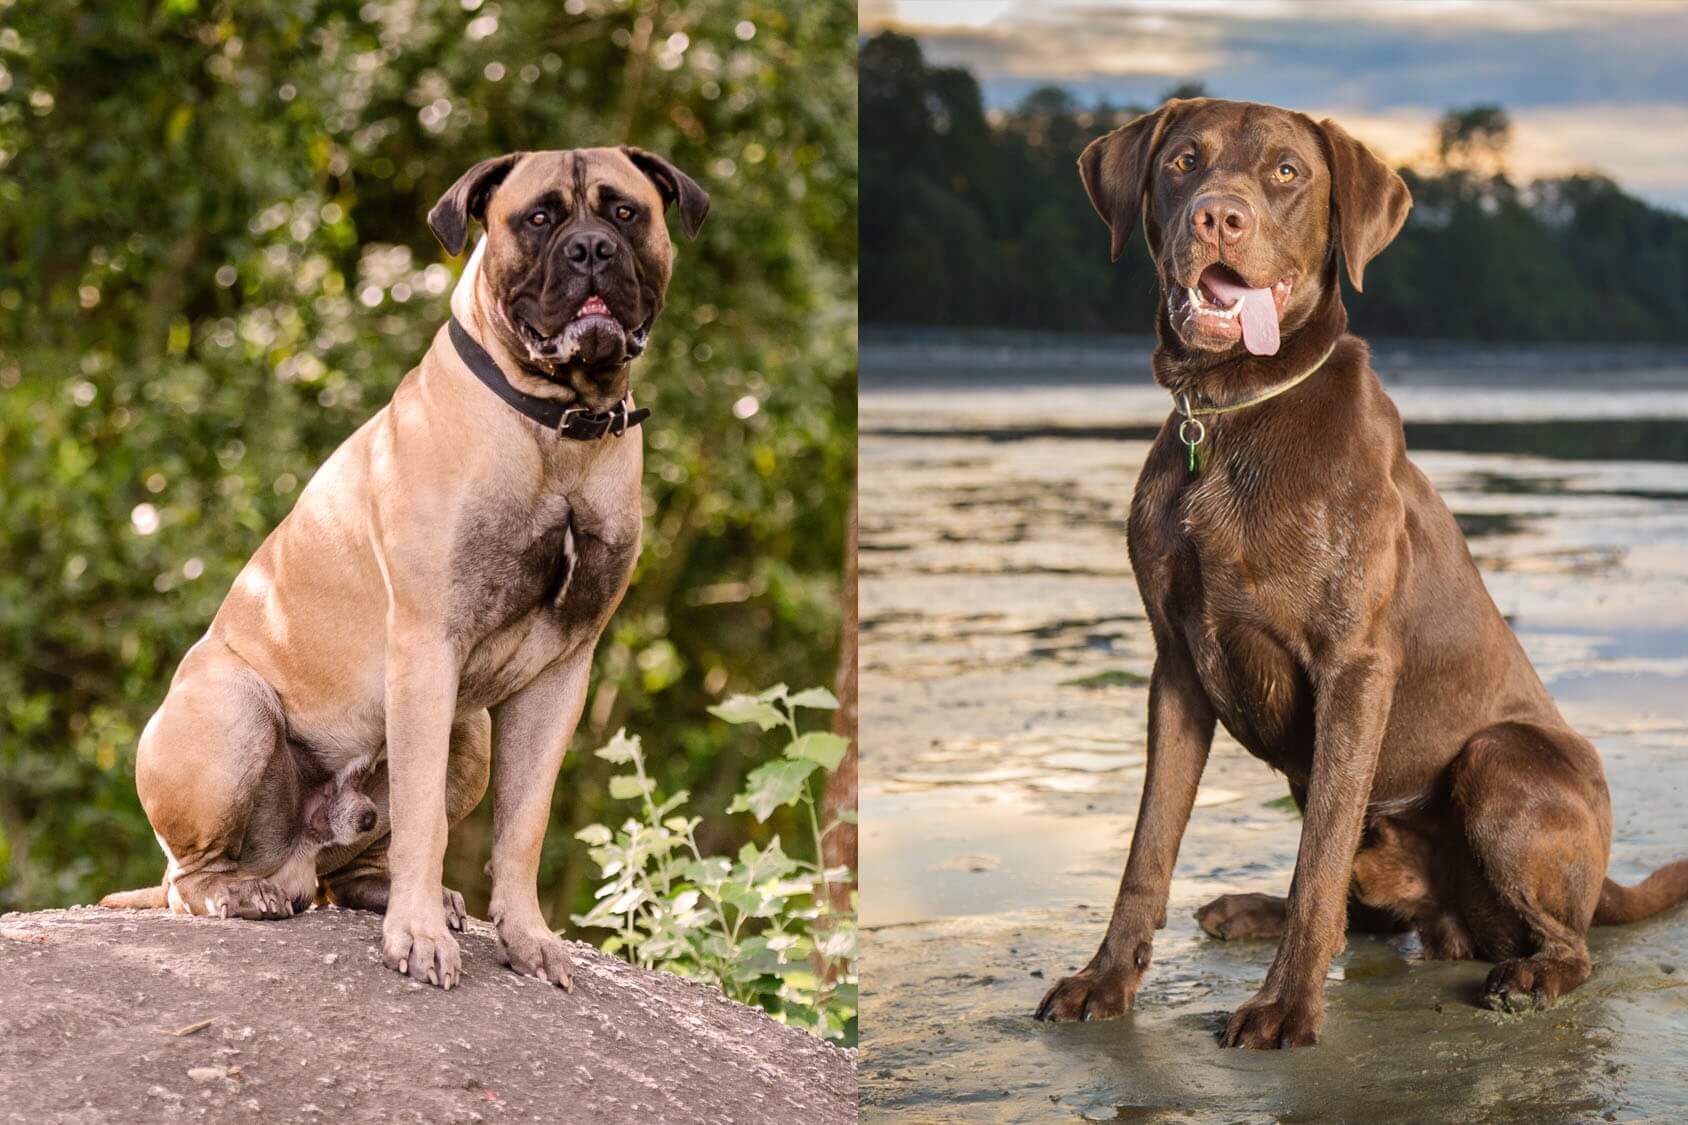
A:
533, 731
1181, 727
1350, 716
421, 704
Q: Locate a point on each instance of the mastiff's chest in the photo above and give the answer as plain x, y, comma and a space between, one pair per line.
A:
533, 582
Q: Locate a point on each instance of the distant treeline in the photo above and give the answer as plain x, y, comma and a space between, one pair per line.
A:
969, 220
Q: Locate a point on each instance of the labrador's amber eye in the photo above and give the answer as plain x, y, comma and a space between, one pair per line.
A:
1185, 163
1285, 173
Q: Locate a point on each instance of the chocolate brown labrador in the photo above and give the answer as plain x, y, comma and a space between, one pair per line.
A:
1308, 588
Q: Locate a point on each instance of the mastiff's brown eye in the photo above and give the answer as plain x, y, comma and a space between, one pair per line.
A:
1285, 173
538, 219
1185, 163
624, 213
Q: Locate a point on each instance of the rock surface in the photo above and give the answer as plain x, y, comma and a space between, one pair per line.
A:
149, 1016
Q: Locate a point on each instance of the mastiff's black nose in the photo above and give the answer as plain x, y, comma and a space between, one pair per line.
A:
586, 248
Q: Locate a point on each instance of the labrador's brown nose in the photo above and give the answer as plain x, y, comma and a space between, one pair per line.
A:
1221, 217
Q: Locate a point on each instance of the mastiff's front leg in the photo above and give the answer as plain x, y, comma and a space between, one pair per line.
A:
421, 706
532, 734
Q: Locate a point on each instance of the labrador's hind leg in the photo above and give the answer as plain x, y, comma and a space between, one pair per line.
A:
1536, 812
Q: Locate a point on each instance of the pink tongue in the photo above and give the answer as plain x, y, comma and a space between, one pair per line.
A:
1259, 312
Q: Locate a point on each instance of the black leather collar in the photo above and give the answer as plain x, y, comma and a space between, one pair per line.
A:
574, 422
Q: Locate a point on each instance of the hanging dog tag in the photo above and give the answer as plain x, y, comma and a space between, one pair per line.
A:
1193, 434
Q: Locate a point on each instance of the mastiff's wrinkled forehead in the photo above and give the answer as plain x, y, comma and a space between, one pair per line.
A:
578, 255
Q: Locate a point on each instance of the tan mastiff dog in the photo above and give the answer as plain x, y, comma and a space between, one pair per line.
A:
460, 552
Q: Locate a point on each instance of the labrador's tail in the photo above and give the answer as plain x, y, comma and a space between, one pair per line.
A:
1663, 888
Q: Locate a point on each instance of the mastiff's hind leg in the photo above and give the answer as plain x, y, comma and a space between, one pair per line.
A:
217, 780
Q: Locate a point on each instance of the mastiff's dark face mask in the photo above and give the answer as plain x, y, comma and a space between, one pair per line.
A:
578, 256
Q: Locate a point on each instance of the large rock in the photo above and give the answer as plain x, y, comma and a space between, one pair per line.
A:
98, 1015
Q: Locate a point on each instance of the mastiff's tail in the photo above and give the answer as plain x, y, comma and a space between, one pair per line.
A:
154, 898
1665, 887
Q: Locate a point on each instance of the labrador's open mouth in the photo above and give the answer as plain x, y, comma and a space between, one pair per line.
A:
1222, 306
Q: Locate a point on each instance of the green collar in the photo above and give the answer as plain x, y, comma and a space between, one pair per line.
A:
1193, 415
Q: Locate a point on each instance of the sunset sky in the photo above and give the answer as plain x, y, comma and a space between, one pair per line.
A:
1598, 85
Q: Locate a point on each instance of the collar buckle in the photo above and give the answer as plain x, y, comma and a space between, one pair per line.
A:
582, 424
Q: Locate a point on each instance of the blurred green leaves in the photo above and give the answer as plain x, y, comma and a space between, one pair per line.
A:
214, 265
765, 927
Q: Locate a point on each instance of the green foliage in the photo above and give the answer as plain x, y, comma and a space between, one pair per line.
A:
1111, 677
980, 222
214, 265
760, 925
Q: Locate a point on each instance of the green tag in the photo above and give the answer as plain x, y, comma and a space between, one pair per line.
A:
1198, 458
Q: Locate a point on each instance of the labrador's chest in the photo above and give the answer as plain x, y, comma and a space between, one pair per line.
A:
532, 583
1249, 588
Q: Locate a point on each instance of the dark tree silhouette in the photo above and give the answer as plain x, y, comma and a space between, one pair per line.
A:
977, 220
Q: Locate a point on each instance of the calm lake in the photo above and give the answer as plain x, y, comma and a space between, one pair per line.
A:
1004, 657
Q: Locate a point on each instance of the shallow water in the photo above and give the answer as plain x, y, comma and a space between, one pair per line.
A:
1003, 652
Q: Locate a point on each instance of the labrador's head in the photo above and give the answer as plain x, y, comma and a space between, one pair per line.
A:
1244, 207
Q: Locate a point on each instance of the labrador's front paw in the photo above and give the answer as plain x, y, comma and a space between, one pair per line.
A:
1269, 1022
536, 952
419, 946
1089, 995
1102, 990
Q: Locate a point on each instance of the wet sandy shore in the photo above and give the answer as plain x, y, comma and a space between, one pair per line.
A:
1004, 653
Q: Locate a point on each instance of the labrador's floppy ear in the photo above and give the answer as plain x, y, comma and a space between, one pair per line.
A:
1370, 198
675, 186
467, 199
1115, 171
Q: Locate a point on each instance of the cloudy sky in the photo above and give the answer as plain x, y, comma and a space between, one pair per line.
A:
1590, 85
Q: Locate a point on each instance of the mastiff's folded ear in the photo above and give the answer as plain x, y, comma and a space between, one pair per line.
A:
467, 200
675, 186
1115, 170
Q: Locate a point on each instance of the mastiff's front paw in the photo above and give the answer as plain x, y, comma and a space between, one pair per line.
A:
538, 953
421, 948
1269, 1022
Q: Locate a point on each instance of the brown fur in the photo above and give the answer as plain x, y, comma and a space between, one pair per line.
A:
1311, 591
451, 557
